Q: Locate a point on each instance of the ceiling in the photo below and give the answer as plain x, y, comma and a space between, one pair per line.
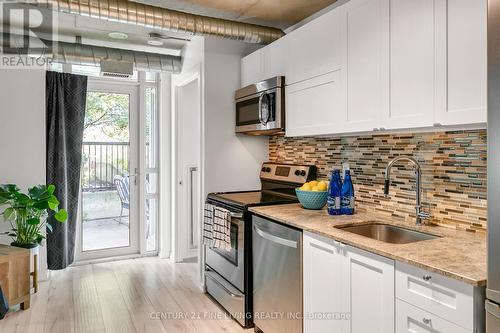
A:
273, 13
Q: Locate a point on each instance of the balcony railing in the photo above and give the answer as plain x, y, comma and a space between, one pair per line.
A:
101, 162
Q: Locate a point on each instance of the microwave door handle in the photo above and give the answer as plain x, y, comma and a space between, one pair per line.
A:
260, 107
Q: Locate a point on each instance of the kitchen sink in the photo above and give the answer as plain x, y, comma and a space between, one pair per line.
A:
388, 233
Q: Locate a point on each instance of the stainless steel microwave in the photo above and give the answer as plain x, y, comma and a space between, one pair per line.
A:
260, 107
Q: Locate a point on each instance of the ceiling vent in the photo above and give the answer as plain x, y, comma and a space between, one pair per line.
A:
121, 69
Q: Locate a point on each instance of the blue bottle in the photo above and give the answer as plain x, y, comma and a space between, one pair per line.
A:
333, 202
347, 200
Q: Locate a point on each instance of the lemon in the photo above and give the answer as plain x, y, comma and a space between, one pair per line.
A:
315, 189
313, 183
306, 187
322, 186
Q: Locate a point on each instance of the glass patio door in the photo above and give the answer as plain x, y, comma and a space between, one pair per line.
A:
109, 206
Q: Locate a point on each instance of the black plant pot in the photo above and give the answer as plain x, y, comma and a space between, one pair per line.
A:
25, 246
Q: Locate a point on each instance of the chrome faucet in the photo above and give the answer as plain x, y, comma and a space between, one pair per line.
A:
420, 214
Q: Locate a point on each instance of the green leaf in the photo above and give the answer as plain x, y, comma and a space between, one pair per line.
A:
10, 188
33, 221
53, 203
9, 213
61, 215
51, 189
41, 205
38, 192
49, 227
22, 198
39, 238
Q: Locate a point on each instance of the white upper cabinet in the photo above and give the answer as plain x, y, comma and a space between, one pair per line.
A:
314, 49
380, 64
252, 68
275, 55
461, 71
314, 106
365, 63
412, 62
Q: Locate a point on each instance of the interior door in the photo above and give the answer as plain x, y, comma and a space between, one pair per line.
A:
187, 104
109, 210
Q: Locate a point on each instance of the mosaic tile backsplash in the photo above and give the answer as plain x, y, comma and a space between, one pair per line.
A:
453, 171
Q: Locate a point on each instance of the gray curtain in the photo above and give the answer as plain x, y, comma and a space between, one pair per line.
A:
66, 96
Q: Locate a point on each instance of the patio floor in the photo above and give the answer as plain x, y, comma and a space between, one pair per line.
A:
105, 233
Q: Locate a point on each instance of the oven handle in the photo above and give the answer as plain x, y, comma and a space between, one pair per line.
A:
236, 215
275, 239
223, 286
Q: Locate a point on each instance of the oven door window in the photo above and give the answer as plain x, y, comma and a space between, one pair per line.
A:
231, 256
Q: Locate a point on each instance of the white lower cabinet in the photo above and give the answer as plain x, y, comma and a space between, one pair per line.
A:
325, 295
370, 283
349, 290
346, 289
410, 319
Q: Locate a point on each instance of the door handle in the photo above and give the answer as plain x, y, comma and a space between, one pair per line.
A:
136, 175
275, 239
192, 170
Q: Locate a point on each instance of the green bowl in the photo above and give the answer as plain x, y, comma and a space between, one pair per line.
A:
312, 200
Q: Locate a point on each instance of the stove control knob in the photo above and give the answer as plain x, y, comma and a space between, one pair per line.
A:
268, 169
263, 169
303, 173
297, 172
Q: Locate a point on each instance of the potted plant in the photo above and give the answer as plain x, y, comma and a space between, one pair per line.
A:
27, 213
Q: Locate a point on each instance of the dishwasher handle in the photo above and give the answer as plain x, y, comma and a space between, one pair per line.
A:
275, 239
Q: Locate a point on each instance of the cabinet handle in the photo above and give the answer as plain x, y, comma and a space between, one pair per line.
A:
426, 321
427, 277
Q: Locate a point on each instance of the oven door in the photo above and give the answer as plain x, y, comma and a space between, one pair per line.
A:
260, 112
230, 264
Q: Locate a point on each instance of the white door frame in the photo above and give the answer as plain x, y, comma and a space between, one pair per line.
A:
135, 222
179, 252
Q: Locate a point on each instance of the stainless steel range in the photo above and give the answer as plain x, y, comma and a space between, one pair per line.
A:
228, 274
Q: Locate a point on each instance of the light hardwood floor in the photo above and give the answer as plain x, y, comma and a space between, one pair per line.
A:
140, 295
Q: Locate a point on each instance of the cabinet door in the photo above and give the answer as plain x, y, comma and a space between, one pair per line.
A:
324, 292
370, 282
461, 71
314, 106
412, 55
410, 319
275, 58
365, 62
252, 68
315, 48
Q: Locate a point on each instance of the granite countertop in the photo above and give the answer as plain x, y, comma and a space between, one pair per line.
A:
457, 254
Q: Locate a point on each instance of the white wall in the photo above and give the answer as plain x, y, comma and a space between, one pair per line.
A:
22, 134
232, 162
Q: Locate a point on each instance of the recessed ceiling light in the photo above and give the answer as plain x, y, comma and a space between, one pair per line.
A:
155, 41
118, 35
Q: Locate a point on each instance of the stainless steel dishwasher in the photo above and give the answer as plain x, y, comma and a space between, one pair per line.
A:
277, 277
